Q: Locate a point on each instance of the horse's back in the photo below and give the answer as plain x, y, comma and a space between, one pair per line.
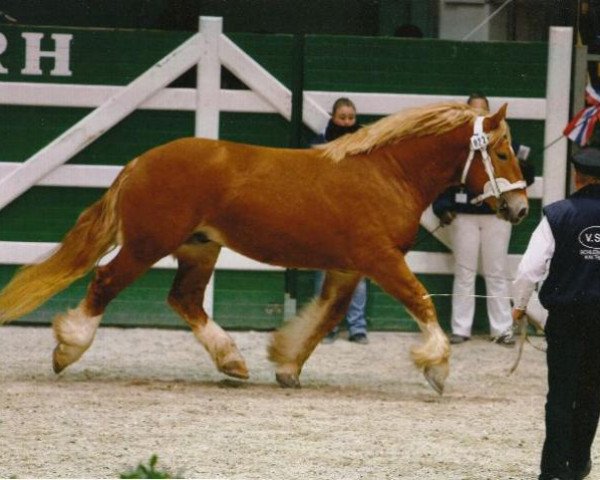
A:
193, 181
191, 156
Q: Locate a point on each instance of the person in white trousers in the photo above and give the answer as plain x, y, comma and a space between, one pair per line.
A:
475, 229
472, 234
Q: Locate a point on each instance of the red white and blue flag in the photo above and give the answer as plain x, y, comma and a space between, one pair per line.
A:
581, 127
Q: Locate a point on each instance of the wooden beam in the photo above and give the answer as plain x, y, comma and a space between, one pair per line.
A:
255, 76
92, 96
21, 253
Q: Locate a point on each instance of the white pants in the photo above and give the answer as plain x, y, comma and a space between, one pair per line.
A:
471, 234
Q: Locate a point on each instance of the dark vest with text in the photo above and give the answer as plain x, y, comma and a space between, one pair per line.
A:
574, 276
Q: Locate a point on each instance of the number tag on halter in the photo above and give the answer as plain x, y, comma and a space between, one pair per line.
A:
460, 197
479, 141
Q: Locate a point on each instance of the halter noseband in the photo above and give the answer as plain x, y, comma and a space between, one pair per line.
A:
495, 186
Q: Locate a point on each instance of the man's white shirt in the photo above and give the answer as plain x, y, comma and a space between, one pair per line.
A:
533, 267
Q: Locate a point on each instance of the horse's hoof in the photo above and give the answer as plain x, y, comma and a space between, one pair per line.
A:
65, 355
56, 367
236, 369
59, 359
287, 380
436, 377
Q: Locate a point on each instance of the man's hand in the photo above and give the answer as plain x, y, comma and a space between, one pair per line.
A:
517, 315
447, 217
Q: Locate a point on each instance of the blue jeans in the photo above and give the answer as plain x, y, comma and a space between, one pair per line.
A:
356, 319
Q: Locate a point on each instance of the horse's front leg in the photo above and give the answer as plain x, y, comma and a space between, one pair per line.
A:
293, 343
394, 276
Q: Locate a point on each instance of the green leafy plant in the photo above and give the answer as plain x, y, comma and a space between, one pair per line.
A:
143, 471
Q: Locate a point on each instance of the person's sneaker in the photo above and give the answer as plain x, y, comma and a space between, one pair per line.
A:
329, 338
360, 338
455, 339
507, 339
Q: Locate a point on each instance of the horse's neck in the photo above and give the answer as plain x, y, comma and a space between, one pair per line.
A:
432, 164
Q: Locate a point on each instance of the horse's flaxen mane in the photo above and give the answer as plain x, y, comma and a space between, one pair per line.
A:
415, 122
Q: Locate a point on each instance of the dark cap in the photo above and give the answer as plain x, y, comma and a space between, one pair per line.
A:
587, 161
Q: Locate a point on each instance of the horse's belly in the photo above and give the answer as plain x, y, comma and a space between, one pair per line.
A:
281, 248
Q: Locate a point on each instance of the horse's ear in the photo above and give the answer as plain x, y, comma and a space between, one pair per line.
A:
493, 122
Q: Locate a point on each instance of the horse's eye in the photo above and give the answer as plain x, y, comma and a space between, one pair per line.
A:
502, 156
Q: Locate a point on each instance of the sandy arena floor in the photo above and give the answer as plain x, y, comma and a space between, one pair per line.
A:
364, 412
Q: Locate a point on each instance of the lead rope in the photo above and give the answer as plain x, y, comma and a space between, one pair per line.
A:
522, 327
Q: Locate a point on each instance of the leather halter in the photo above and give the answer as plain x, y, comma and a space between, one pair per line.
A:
494, 187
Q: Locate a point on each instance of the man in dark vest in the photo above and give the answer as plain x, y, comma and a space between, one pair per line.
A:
566, 247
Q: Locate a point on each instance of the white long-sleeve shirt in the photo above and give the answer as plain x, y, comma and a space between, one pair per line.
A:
534, 264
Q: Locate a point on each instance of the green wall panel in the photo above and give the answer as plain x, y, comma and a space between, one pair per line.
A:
249, 299
243, 300
256, 129
425, 66
141, 304
386, 313
25, 130
273, 52
44, 214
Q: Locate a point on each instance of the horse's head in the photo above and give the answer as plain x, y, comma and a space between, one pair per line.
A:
493, 169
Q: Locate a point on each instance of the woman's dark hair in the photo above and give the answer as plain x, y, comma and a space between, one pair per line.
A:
478, 95
342, 102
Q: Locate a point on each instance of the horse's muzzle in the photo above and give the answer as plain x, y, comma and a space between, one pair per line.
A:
513, 207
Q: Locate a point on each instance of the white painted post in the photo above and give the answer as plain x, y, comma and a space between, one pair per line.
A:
558, 86
208, 78
207, 103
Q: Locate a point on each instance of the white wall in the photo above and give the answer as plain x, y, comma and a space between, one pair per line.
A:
458, 18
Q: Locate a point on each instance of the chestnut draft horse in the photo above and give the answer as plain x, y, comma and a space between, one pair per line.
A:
351, 208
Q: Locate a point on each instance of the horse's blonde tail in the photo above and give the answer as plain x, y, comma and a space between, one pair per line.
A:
93, 234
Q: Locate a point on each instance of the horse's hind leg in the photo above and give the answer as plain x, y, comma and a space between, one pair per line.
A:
75, 330
196, 264
394, 276
293, 343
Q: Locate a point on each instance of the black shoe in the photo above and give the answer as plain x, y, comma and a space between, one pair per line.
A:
561, 476
456, 339
581, 474
360, 338
329, 338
